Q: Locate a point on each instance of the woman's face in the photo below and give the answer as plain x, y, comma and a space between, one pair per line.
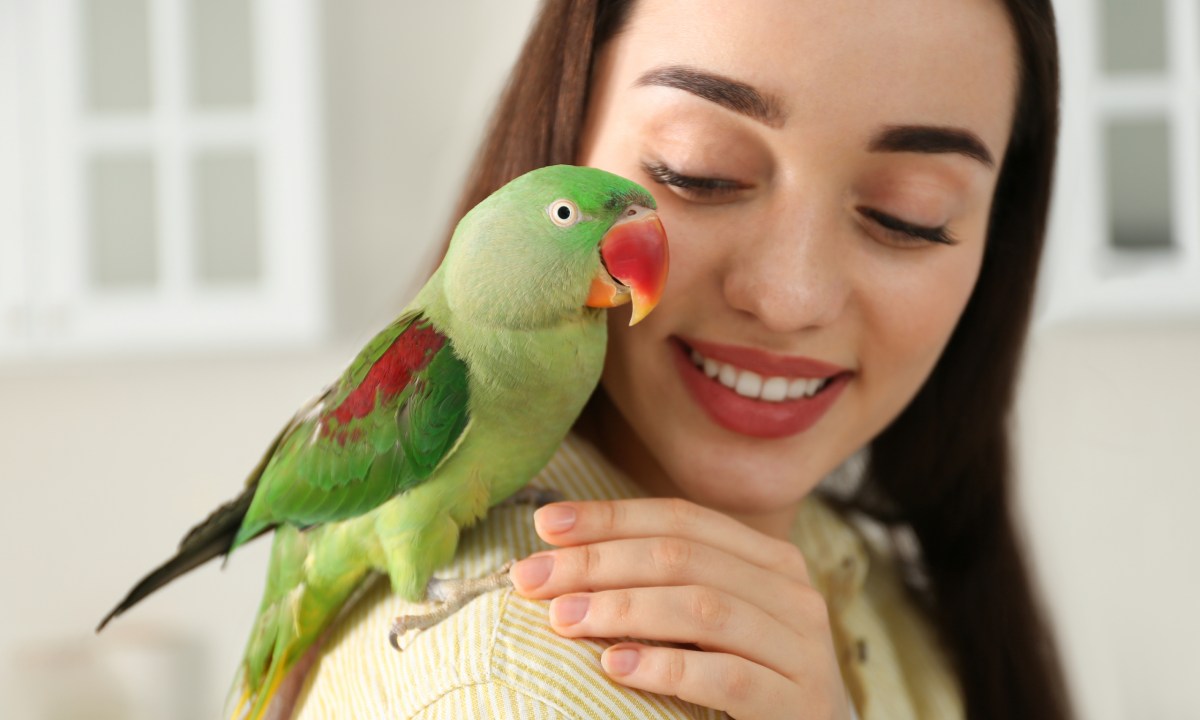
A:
824, 170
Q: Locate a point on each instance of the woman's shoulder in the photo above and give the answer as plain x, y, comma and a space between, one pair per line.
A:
495, 657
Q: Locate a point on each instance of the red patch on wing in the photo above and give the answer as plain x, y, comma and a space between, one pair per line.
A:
391, 373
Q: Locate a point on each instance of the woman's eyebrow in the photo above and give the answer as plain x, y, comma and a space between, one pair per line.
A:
726, 92
931, 139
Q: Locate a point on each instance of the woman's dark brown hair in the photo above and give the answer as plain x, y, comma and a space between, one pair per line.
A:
944, 466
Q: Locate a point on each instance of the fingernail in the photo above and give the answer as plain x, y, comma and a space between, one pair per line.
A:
532, 572
555, 518
621, 661
568, 610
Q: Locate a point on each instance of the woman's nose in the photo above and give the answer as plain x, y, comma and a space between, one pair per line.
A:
793, 276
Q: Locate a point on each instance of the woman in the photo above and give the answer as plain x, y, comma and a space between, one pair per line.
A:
855, 194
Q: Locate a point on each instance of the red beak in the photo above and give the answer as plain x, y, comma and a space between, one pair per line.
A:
634, 251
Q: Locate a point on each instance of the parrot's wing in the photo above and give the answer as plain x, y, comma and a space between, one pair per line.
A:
390, 420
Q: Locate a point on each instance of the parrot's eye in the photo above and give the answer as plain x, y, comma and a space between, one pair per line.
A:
564, 213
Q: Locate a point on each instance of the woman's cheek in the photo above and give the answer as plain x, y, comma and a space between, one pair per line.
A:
913, 312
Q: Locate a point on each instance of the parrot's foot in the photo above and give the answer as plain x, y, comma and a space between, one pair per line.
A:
450, 595
535, 496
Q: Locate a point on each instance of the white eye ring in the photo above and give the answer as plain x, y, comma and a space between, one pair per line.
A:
563, 213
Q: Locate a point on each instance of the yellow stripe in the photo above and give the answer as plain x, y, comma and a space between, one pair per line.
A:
564, 657
529, 618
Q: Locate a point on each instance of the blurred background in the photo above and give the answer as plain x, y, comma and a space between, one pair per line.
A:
206, 206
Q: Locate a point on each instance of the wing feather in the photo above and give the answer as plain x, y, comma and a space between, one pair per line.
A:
384, 427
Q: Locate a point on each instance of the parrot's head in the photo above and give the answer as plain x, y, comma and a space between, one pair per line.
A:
554, 242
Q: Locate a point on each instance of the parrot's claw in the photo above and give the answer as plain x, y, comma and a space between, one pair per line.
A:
450, 596
535, 496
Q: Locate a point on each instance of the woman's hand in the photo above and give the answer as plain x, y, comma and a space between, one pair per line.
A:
671, 570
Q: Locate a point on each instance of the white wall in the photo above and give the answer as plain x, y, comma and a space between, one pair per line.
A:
104, 464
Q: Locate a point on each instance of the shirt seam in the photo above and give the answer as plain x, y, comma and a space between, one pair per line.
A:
497, 682
489, 668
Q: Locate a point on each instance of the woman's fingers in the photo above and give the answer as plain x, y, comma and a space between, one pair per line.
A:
661, 561
694, 614
579, 523
674, 571
741, 688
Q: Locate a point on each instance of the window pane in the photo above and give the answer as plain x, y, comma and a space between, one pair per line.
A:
116, 55
1139, 184
1134, 35
227, 217
122, 221
222, 53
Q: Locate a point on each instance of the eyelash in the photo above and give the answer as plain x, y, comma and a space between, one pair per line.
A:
696, 186
907, 232
703, 187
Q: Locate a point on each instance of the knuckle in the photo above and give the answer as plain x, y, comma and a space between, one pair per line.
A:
791, 561
709, 608
622, 605
675, 668
813, 608
737, 684
610, 516
796, 593
682, 515
589, 560
671, 557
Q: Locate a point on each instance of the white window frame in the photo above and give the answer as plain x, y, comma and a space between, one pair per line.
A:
1085, 278
14, 305
52, 137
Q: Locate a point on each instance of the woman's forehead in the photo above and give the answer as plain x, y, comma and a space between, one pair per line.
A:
840, 63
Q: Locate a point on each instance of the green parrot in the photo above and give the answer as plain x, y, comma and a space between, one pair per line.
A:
451, 409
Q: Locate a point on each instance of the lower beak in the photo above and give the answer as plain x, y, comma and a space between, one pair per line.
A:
634, 251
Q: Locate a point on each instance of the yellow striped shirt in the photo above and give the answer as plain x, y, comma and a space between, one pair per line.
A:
498, 657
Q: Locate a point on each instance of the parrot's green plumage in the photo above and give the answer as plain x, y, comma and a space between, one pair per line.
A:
448, 411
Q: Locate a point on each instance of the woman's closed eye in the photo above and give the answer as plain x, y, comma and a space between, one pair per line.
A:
906, 233
701, 189
711, 189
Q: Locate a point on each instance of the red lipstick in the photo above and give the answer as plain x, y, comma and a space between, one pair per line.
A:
751, 416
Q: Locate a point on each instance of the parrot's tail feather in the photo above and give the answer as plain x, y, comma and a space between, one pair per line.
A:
212, 537
264, 697
209, 539
216, 525
243, 704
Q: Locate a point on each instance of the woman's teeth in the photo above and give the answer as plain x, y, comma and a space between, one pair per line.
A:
752, 385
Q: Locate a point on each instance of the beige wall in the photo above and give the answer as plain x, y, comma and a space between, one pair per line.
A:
409, 88
1110, 459
103, 464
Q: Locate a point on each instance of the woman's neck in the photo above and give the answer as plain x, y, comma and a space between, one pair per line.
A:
605, 427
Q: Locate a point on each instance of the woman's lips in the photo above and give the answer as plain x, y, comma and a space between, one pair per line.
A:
752, 416
762, 362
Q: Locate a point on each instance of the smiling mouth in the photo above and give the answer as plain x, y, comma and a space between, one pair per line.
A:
755, 386
784, 396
